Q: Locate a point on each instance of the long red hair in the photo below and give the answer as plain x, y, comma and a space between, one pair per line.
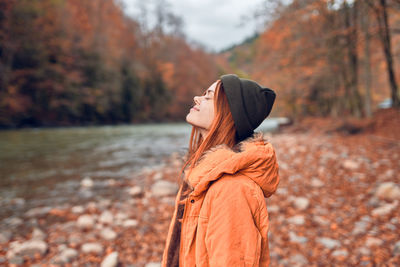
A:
222, 130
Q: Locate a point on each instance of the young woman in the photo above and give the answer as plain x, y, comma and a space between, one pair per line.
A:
221, 218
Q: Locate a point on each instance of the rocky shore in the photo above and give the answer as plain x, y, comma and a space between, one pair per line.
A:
337, 204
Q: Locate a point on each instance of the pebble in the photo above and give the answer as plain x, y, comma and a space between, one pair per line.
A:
36, 212
87, 182
372, 242
13, 221
77, 209
328, 242
27, 248
85, 221
158, 176
364, 251
5, 236
67, 255
297, 219
92, 248
320, 220
340, 253
164, 188
315, 182
135, 191
385, 209
297, 239
350, 164
388, 191
301, 203
273, 208
16, 260
38, 234
111, 260
106, 217
130, 223
85, 193
360, 226
396, 249
298, 260
108, 234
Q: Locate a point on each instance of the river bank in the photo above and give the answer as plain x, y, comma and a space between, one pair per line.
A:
337, 204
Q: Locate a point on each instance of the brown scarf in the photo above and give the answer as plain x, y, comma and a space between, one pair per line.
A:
173, 249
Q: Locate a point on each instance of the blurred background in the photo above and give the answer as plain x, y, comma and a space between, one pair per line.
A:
93, 98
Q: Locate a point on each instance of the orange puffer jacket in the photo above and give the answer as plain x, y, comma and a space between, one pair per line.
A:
225, 221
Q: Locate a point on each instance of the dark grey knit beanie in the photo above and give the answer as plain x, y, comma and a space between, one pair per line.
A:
249, 103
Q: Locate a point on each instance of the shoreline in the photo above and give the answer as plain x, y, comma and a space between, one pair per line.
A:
336, 203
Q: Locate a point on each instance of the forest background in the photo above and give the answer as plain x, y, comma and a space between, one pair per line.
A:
73, 62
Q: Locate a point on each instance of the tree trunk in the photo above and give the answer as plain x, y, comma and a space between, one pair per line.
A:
385, 38
367, 60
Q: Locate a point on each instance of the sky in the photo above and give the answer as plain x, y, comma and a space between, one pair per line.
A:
214, 24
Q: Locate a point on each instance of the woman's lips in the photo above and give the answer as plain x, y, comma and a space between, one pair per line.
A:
194, 108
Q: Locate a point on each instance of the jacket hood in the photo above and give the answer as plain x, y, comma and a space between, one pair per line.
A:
256, 160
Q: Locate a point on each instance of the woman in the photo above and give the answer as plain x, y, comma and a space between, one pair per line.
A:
220, 218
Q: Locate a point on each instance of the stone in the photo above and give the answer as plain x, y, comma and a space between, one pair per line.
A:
297, 219
106, 217
111, 182
328, 242
360, 227
135, 191
120, 216
108, 234
388, 191
301, 203
13, 221
95, 248
298, 260
5, 236
340, 253
164, 188
85, 193
158, 176
130, 223
320, 220
396, 249
385, 209
85, 221
372, 242
87, 182
350, 164
38, 234
297, 239
27, 248
364, 251
273, 208
75, 239
35, 212
111, 260
67, 255
16, 260
18, 201
153, 264
315, 182
77, 209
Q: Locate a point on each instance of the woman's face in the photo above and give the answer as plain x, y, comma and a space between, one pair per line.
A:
202, 113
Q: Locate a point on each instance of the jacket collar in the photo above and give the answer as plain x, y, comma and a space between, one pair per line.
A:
256, 160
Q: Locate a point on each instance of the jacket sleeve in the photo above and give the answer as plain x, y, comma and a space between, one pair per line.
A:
232, 237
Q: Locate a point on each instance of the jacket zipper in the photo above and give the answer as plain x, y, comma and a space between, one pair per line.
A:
182, 231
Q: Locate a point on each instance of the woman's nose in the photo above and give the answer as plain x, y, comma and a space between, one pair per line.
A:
196, 100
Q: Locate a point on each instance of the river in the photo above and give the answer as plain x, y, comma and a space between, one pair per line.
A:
46, 165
